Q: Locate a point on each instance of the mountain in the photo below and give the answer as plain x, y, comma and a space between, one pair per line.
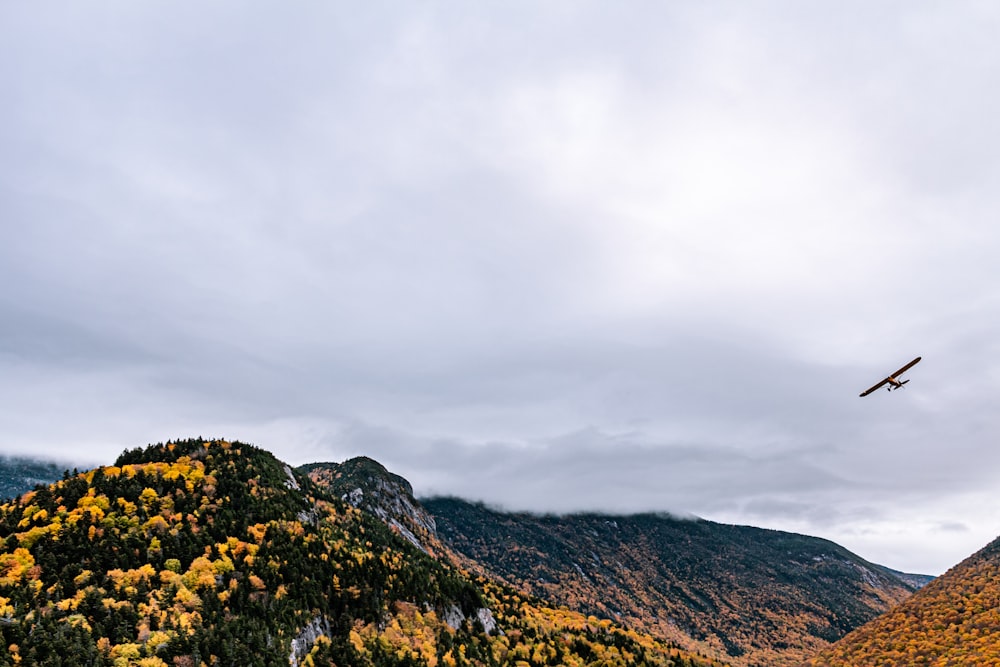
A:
748, 595
915, 580
365, 484
954, 620
20, 474
216, 553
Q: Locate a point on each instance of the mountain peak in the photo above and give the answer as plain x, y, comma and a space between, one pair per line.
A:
367, 485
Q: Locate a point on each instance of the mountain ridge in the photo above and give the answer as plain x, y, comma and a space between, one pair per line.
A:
729, 591
198, 552
543, 558
366, 484
744, 595
19, 474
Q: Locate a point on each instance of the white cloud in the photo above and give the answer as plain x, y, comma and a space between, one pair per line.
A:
646, 258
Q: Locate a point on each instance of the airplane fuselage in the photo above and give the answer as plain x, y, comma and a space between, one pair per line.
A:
892, 380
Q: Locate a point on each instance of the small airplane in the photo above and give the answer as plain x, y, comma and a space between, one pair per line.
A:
893, 380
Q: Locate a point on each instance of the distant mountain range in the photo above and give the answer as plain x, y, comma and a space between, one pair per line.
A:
207, 551
20, 474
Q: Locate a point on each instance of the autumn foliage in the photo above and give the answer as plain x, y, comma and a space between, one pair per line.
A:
215, 553
752, 597
953, 621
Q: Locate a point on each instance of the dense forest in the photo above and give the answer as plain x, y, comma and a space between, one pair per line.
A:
211, 553
953, 621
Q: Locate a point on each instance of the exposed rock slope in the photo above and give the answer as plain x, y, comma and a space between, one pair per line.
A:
365, 484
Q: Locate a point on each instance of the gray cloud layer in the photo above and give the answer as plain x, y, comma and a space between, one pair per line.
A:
560, 256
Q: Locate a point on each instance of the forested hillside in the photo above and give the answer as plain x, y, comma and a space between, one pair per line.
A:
756, 597
954, 620
210, 552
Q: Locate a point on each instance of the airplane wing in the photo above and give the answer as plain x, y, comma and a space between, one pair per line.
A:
894, 375
906, 367
874, 387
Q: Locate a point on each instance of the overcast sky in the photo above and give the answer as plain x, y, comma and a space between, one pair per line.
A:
552, 255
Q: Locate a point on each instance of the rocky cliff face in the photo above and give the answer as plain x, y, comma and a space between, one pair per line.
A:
368, 486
